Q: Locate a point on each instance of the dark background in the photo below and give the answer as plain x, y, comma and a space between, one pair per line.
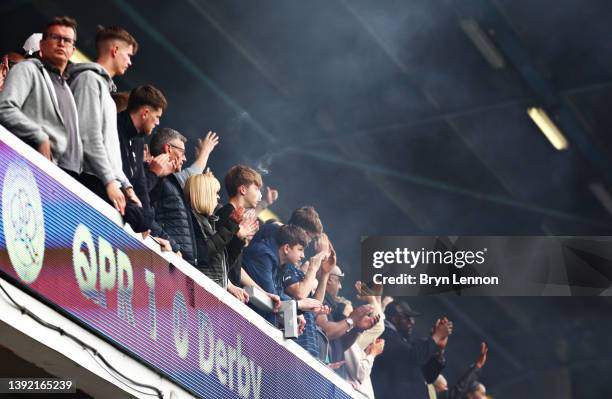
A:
539, 347
385, 116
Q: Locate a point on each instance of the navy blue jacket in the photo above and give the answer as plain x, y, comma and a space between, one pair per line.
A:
173, 213
260, 258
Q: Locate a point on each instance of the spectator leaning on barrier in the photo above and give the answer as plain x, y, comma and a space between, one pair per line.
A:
293, 282
92, 84
243, 186
37, 105
261, 256
202, 192
144, 108
172, 210
291, 243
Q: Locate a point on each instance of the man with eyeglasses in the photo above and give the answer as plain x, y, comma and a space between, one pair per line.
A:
172, 210
342, 331
37, 105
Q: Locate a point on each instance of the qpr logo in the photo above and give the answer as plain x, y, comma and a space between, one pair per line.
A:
23, 221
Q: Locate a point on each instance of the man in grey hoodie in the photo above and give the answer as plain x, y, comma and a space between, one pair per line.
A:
92, 84
37, 105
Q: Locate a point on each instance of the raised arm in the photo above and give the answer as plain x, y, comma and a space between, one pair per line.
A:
303, 288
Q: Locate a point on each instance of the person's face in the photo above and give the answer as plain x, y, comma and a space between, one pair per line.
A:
334, 285
252, 195
404, 324
294, 254
57, 45
122, 57
176, 150
150, 119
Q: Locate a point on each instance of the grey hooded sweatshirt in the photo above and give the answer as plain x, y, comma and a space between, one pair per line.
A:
92, 86
29, 109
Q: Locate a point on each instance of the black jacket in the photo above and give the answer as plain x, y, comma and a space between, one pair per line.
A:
132, 149
460, 389
235, 246
403, 368
212, 246
131, 146
173, 213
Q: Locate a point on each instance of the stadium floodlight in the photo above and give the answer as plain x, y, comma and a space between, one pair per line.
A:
548, 127
483, 43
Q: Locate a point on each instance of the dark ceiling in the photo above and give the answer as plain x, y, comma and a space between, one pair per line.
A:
547, 347
383, 114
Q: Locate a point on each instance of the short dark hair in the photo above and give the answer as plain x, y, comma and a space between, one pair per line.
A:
399, 308
162, 137
146, 95
241, 175
104, 34
307, 218
121, 100
473, 387
61, 21
292, 235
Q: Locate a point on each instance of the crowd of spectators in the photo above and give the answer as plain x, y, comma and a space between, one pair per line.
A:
71, 115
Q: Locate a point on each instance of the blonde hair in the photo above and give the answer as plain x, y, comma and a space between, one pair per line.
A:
201, 191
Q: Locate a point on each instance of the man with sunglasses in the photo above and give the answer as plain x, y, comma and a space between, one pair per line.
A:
37, 105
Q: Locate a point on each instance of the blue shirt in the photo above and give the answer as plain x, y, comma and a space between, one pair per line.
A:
261, 262
287, 276
260, 258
